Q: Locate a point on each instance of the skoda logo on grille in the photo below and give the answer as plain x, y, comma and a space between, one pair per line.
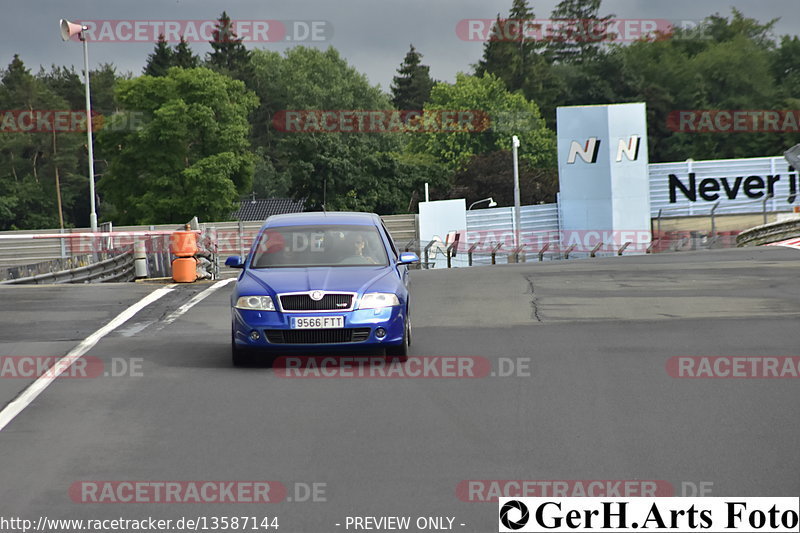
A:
316, 295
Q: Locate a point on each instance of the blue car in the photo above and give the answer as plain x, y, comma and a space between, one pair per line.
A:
330, 280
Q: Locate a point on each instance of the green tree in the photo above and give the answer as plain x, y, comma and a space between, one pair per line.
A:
581, 32
492, 175
412, 86
505, 114
354, 171
517, 57
66, 83
161, 59
190, 158
228, 54
183, 57
32, 161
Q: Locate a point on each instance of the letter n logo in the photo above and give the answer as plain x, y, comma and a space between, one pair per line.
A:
588, 152
630, 149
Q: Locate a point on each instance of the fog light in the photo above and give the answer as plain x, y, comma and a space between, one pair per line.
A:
254, 336
380, 333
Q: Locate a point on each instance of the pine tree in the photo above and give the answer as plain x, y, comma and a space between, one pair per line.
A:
160, 60
412, 86
581, 33
184, 57
229, 56
510, 53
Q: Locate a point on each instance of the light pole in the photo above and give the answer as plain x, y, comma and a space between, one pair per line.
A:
68, 29
515, 145
492, 203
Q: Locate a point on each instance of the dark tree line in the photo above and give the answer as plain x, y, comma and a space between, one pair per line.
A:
214, 132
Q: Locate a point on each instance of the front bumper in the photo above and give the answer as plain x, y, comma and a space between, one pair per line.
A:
275, 332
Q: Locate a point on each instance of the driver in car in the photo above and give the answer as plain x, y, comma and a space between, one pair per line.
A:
356, 246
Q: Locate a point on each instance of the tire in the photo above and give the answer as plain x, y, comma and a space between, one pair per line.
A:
240, 357
400, 352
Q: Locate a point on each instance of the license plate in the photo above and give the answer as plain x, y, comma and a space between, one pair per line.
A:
317, 322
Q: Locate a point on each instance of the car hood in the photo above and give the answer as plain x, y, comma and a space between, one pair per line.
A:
347, 279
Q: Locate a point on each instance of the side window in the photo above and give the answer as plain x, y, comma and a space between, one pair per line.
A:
389, 238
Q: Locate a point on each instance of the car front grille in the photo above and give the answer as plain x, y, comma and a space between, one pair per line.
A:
329, 302
316, 336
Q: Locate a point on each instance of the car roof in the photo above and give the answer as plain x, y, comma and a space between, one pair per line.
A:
349, 218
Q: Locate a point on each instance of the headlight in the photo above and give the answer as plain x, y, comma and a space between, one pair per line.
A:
376, 300
256, 303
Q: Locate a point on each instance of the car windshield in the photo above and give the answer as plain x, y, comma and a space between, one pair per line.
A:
319, 246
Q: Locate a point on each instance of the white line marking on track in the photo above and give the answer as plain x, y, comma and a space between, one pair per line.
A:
37, 387
199, 297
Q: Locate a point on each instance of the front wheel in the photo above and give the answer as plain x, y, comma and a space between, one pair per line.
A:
239, 356
400, 352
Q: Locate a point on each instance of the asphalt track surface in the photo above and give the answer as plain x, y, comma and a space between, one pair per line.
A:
596, 403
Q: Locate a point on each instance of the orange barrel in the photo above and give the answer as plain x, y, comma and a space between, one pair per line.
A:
184, 270
183, 243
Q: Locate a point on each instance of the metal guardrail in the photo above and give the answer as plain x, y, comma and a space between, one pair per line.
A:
117, 268
767, 233
436, 253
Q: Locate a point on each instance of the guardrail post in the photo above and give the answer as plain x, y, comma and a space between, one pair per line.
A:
427, 253
63, 246
469, 252
450, 249
543, 250
659, 222
240, 227
593, 253
494, 252
767, 197
515, 253
649, 249
568, 251
622, 248
140, 258
713, 224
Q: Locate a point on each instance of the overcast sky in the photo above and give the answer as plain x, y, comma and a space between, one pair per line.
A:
373, 35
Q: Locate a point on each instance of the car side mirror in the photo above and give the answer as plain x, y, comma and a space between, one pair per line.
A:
406, 258
234, 261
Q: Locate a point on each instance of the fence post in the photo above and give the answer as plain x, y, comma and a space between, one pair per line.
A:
494, 252
448, 250
427, 253
764, 206
240, 226
713, 222
543, 250
63, 246
469, 252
